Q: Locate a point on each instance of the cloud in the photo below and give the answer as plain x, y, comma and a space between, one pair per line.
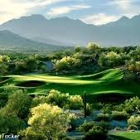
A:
65, 9
123, 4
16, 8
126, 7
99, 19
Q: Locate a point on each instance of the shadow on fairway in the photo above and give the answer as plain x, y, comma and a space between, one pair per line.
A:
120, 138
3, 79
108, 97
31, 84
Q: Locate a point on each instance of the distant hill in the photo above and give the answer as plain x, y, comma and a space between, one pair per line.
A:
66, 31
11, 41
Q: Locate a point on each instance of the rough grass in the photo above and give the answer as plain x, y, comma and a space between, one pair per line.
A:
108, 82
127, 135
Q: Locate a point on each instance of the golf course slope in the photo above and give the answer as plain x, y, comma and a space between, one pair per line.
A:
127, 135
106, 82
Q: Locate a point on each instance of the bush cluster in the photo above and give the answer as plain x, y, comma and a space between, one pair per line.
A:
135, 121
94, 131
63, 100
118, 115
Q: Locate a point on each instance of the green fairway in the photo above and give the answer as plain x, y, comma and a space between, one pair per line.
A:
127, 135
105, 82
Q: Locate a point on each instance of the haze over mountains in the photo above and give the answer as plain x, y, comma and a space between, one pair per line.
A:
68, 32
13, 42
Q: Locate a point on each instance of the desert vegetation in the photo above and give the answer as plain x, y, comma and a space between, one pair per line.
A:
83, 93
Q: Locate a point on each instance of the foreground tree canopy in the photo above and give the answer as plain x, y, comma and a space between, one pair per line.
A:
47, 122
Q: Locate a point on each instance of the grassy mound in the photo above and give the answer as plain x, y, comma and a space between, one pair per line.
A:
126, 135
108, 82
104, 75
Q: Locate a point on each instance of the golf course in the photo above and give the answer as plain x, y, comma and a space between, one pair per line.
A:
108, 82
127, 135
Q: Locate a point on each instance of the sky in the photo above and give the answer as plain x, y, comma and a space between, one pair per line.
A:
95, 12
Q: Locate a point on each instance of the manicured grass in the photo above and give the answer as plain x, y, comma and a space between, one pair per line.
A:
127, 135
106, 82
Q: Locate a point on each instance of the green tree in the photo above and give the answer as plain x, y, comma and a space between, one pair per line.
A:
18, 105
110, 59
92, 47
67, 63
13, 115
4, 60
47, 122
11, 124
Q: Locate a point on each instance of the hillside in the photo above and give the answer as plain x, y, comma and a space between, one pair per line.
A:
11, 41
68, 31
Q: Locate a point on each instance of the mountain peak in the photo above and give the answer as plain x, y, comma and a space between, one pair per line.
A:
124, 18
34, 16
61, 18
66, 20
136, 17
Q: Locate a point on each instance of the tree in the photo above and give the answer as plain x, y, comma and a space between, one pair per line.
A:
13, 115
134, 67
78, 49
31, 63
67, 63
93, 47
4, 59
11, 124
20, 67
18, 105
47, 122
110, 59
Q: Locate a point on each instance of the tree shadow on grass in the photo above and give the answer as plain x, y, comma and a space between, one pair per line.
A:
112, 97
108, 97
120, 138
32, 83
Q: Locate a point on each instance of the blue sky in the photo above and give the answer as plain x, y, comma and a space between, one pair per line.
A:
90, 11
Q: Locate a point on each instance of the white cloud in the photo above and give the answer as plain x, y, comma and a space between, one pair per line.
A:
123, 4
63, 10
99, 19
126, 7
16, 8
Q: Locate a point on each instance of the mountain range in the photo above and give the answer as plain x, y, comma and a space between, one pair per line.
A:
13, 42
64, 31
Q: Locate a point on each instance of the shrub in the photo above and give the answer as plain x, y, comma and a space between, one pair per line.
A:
38, 100
11, 124
31, 135
104, 125
57, 98
117, 128
132, 127
63, 100
73, 122
86, 126
117, 115
75, 102
132, 104
102, 117
89, 109
107, 108
96, 133
134, 120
